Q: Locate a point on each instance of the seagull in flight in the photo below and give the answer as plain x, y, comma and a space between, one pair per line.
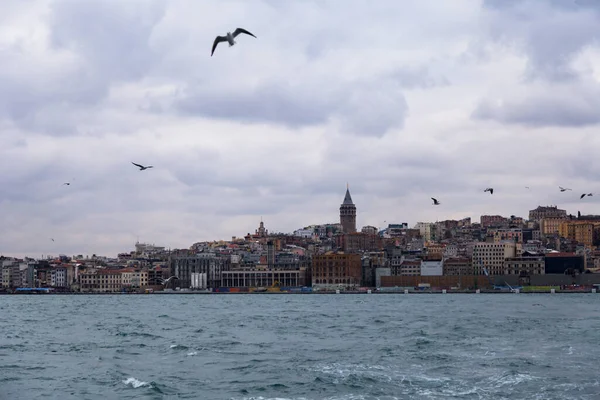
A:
583, 195
562, 189
228, 38
141, 167
435, 202
52, 239
491, 190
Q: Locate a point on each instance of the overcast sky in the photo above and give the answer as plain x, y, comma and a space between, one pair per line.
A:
403, 100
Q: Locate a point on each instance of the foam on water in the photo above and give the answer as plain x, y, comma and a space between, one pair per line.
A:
135, 382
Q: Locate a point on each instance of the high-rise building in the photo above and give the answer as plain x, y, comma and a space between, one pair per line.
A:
348, 214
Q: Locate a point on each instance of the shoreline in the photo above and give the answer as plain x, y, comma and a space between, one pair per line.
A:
303, 293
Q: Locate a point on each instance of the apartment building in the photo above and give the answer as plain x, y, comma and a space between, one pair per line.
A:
492, 256
524, 266
337, 268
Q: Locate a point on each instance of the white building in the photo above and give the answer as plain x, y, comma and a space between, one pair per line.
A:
425, 230
305, 232
492, 256
432, 268
58, 277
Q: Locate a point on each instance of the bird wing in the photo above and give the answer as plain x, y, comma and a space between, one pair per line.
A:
240, 30
582, 196
491, 191
434, 200
149, 166
138, 165
218, 40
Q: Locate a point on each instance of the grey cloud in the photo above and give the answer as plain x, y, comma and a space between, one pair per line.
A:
271, 102
543, 110
418, 78
94, 45
113, 37
365, 108
551, 33
149, 73
573, 5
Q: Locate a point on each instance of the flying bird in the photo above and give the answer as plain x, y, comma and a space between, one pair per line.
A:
435, 202
141, 167
526, 187
562, 189
67, 183
583, 195
52, 239
491, 190
228, 38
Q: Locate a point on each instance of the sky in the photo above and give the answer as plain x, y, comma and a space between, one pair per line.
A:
401, 100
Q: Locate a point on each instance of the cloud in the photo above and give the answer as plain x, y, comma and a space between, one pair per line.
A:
551, 33
71, 57
274, 127
548, 107
363, 108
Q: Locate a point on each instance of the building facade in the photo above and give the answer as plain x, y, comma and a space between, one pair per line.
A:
337, 268
546, 212
491, 256
206, 263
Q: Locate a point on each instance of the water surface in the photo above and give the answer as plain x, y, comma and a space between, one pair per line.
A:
392, 346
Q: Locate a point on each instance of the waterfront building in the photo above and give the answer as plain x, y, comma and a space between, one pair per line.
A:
264, 278
432, 265
456, 266
525, 265
337, 268
207, 263
491, 256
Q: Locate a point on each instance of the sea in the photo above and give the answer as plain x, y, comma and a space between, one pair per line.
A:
300, 346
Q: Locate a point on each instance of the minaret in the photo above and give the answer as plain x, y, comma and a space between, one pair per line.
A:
348, 213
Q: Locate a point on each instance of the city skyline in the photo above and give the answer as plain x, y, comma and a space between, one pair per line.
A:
350, 226
449, 101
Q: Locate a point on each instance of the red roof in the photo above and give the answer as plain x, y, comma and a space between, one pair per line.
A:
561, 255
408, 263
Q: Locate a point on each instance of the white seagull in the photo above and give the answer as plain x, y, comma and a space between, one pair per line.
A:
229, 38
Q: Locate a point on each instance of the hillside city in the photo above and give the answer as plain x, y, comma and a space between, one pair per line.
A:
548, 249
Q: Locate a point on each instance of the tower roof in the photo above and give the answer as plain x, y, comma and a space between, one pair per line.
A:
347, 198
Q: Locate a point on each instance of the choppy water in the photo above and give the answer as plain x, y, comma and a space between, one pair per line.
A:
512, 346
